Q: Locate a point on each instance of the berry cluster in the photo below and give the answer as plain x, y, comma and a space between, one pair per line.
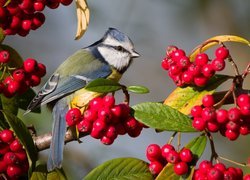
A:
160, 156
104, 120
207, 170
13, 158
184, 72
21, 79
231, 123
19, 17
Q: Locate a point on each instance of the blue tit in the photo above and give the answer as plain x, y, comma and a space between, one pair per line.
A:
108, 58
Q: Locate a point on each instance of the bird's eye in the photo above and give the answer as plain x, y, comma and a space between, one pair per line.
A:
119, 48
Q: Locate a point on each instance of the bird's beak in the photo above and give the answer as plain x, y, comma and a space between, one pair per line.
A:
135, 54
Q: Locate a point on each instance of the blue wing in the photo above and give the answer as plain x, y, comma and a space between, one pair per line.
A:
72, 75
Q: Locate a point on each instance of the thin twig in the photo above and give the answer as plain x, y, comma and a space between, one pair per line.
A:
214, 154
172, 138
231, 161
179, 141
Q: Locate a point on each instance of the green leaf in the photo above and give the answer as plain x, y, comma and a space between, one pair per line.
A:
57, 174
162, 117
122, 169
2, 36
23, 135
9, 104
185, 98
16, 59
102, 85
25, 99
138, 89
39, 173
197, 146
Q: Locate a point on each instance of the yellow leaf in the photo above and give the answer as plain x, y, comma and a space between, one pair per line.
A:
216, 40
83, 15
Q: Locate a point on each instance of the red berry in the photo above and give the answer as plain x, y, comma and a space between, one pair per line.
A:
116, 111
96, 133
231, 135
7, 136
15, 22
53, 4
153, 152
130, 123
222, 52
173, 157
214, 174
205, 166
105, 114
16, 146
213, 126
14, 171
178, 54
4, 148
19, 75
234, 114
201, 59
66, 2
73, 116
186, 155
90, 115
229, 175
187, 77
4, 56
175, 69
3, 165
107, 140
26, 24
220, 166
243, 100
195, 70
108, 101
196, 111
39, 6
221, 116
232, 126
155, 167
239, 173
26, 4
41, 70
84, 126
170, 50
207, 70
100, 125
218, 64
111, 132
165, 149
125, 110
244, 129
183, 62
208, 114
38, 20
96, 103
199, 124
13, 87
200, 81
181, 168
198, 175
164, 64
208, 100
11, 158
135, 132
21, 155
30, 65
246, 177
120, 129
245, 110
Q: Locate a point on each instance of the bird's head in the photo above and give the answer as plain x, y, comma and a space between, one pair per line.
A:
117, 49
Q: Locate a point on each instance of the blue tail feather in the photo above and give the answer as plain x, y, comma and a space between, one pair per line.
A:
58, 134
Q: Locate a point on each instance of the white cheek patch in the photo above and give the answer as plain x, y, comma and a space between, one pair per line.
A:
115, 58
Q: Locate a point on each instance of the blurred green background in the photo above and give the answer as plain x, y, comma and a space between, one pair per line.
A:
152, 25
